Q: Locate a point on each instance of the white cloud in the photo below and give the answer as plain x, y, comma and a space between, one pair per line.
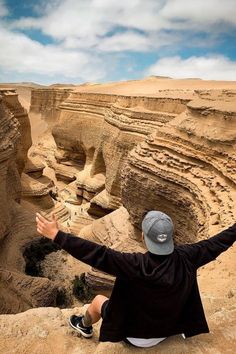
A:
23, 55
90, 36
204, 12
88, 24
3, 9
134, 41
79, 18
42, 7
209, 68
91, 25
125, 41
71, 18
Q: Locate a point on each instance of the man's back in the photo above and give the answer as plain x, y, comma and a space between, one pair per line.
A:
151, 298
157, 302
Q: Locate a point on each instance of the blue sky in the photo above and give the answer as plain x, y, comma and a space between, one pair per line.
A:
74, 41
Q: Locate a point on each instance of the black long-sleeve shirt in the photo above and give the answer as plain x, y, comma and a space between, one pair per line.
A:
153, 296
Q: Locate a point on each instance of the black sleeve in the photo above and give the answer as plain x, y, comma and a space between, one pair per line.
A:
205, 251
100, 257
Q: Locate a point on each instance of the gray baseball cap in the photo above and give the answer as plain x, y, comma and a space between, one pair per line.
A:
158, 232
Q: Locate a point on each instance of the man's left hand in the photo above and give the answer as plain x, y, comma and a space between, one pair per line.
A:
47, 228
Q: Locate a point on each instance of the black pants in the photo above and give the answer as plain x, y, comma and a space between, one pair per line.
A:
103, 314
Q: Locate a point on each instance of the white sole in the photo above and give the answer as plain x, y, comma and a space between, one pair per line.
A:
80, 331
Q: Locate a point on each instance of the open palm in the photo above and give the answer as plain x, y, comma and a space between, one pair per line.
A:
47, 228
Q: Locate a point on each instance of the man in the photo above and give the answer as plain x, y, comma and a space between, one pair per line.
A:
155, 294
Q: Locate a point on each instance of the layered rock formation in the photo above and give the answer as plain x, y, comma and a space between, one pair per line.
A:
45, 101
12, 103
109, 127
17, 227
188, 168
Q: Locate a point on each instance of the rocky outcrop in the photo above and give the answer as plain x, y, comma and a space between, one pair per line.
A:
116, 231
46, 330
36, 193
10, 182
11, 101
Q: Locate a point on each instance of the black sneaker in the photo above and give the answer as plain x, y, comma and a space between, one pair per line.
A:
76, 323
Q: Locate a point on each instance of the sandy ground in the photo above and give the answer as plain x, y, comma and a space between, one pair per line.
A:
152, 85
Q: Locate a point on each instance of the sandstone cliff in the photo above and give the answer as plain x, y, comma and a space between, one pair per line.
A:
188, 168
46, 101
45, 330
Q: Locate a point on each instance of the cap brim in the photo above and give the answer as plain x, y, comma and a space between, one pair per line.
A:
159, 248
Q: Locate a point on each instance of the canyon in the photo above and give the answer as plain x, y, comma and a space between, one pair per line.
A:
99, 156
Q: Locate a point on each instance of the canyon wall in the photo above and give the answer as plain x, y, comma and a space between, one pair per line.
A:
188, 155
45, 101
11, 101
188, 168
96, 131
17, 226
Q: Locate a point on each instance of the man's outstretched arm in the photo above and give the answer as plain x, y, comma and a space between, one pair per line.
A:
205, 251
97, 256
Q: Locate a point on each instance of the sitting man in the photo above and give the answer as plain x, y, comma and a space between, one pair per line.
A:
155, 294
